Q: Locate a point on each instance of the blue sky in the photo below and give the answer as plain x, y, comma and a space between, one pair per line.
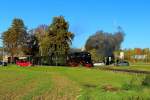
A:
85, 17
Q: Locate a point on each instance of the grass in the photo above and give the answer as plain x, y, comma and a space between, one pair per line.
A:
65, 83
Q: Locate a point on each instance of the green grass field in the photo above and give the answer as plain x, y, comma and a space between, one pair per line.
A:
65, 83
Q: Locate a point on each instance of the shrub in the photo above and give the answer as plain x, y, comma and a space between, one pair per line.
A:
146, 81
133, 84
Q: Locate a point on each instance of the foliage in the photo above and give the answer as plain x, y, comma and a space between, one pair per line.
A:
95, 56
137, 83
56, 41
134, 84
137, 55
14, 39
35, 37
53, 41
146, 81
40, 32
32, 44
59, 33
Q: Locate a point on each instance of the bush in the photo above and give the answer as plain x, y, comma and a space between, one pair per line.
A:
146, 81
133, 84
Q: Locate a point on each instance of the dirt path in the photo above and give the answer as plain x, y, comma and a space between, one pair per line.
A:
63, 89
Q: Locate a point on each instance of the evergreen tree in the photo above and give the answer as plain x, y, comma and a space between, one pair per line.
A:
14, 38
57, 40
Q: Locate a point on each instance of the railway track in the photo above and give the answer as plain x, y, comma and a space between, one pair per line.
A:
125, 70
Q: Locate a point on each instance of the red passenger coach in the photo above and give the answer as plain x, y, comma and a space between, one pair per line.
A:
23, 62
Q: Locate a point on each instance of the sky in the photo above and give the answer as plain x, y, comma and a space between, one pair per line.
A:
85, 17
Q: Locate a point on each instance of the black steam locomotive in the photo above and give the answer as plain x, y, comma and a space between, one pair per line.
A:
79, 58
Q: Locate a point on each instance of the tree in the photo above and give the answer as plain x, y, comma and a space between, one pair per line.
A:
55, 40
32, 44
105, 43
41, 35
146, 53
40, 32
59, 32
14, 39
95, 56
59, 38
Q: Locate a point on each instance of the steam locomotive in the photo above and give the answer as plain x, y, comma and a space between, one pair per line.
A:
74, 59
79, 58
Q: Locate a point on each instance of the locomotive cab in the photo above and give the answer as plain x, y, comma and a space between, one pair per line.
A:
80, 58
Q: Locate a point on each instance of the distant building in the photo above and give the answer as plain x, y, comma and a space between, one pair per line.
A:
122, 55
139, 57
